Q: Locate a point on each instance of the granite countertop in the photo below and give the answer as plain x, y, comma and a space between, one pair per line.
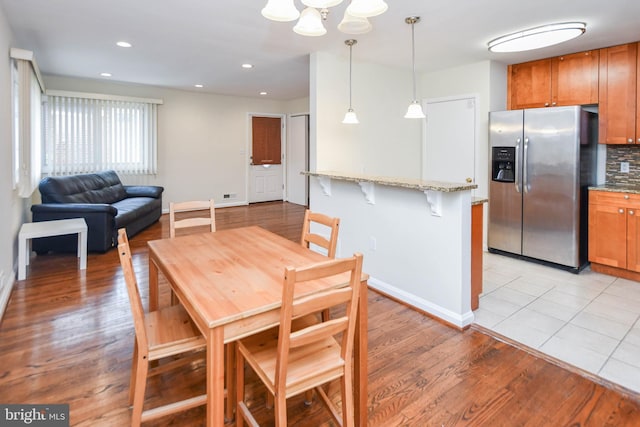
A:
416, 184
478, 200
617, 188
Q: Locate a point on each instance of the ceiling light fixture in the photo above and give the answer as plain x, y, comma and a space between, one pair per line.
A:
105, 74
350, 117
263, 93
247, 66
124, 44
415, 109
199, 86
538, 37
310, 22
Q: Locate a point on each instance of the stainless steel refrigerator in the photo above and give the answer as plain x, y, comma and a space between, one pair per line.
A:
542, 162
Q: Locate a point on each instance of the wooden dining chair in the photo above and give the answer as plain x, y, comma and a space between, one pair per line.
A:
160, 334
303, 353
309, 237
183, 208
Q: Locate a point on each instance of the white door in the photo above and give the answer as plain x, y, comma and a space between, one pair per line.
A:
450, 139
297, 159
265, 169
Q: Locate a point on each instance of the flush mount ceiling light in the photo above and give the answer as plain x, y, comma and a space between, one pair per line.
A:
538, 37
310, 22
350, 117
415, 109
124, 44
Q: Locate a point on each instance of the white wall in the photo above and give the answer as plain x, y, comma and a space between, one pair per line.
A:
202, 138
384, 143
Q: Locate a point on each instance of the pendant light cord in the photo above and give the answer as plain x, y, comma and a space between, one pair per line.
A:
413, 57
350, 53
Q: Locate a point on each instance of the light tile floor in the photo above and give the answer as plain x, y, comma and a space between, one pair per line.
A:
589, 320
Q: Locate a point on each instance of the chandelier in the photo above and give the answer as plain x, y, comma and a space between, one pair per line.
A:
310, 19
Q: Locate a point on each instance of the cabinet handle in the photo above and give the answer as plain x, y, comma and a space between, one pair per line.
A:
630, 212
626, 196
546, 104
620, 210
553, 103
630, 140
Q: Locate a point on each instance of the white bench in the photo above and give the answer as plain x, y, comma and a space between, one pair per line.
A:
32, 230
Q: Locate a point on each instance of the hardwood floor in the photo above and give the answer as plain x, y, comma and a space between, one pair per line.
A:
67, 337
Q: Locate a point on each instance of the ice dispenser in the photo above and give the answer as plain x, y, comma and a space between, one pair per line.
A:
503, 164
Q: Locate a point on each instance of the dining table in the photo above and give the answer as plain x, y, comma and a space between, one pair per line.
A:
230, 282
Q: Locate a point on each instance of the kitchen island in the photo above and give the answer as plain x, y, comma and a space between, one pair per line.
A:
415, 236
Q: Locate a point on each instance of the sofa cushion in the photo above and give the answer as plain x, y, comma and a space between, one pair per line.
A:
103, 187
131, 209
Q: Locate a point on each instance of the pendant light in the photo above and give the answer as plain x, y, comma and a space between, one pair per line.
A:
353, 24
415, 109
350, 117
367, 8
310, 23
280, 10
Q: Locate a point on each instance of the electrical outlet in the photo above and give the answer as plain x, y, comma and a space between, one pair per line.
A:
624, 167
225, 196
372, 243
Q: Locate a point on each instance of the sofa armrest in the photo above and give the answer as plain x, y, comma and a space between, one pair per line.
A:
144, 191
73, 208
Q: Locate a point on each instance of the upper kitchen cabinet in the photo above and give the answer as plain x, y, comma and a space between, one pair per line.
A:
563, 80
619, 100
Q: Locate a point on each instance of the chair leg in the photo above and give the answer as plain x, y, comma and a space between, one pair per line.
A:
140, 386
281, 410
308, 397
239, 378
269, 403
230, 380
347, 399
134, 372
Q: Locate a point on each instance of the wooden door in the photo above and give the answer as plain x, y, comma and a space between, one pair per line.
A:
633, 240
574, 78
266, 174
608, 235
618, 97
529, 85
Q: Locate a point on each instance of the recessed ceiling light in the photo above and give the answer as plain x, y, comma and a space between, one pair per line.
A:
263, 93
247, 66
199, 86
105, 74
124, 44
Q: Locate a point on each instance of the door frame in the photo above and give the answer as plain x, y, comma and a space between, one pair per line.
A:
307, 160
249, 152
470, 96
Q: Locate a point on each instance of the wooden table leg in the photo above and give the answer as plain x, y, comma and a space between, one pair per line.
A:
360, 354
215, 377
153, 285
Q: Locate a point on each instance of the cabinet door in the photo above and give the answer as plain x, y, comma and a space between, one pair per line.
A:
638, 93
530, 84
633, 240
618, 97
608, 235
574, 79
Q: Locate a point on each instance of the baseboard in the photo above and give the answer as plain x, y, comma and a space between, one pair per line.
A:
6, 286
459, 321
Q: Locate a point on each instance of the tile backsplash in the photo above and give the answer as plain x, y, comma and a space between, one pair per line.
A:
623, 153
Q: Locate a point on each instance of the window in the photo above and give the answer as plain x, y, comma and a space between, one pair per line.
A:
87, 133
26, 106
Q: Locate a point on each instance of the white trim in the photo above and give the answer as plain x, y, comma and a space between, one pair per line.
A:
102, 96
5, 293
27, 55
460, 320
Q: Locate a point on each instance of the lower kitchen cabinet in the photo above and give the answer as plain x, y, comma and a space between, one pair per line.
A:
614, 233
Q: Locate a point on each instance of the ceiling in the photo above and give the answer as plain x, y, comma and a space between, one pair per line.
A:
180, 43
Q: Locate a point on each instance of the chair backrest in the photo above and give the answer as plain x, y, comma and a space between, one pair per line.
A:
132, 289
346, 296
308, 237
198, 221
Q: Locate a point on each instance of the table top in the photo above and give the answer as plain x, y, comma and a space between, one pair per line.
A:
60, 226
234, 274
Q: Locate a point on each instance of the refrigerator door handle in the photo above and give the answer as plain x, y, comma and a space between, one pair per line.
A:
525, 166
516, 180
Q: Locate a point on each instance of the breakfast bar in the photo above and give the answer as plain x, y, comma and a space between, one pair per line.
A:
415, 235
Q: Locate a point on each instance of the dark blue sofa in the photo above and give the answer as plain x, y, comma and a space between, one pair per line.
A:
104, 203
